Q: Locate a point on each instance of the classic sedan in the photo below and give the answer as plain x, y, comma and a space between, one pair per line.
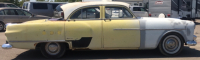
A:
101, 31
16, 15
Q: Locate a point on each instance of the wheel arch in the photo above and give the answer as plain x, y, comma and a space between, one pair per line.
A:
180, 33
38, 45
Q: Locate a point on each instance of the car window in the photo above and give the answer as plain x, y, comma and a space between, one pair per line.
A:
138, 9
27, 13
87, 13
2, 5
1, 13
54, 6
19, 12
25, 6
40, 6
58, 8
117, 12
11, 5
9, 12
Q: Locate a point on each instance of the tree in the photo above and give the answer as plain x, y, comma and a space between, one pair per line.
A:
16, 2
21, 2
40, 0
61, 0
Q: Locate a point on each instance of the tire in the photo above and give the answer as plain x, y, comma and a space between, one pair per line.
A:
171, 44
1, 26
49, 50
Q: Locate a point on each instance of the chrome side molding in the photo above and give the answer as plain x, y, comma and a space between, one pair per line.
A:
191, 43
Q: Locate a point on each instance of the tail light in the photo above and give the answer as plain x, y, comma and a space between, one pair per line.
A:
149, 15
62, 14
168, 15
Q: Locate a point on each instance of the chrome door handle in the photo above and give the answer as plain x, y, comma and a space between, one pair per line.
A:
107, 19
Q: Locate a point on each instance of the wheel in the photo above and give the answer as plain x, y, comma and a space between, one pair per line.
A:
53, 49
1, 26
171, 45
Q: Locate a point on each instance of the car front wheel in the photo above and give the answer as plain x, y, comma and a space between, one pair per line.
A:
53, 49
171, 45
1, 26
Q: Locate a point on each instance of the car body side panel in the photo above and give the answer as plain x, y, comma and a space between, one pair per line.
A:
75, 30
122, 33
155, 29
39, 30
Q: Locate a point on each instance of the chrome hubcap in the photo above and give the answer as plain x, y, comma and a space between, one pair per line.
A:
171, 44
1, 26
52, 48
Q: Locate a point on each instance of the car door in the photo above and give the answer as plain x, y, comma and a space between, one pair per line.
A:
120, 28
24, 15
86, 30
10, 16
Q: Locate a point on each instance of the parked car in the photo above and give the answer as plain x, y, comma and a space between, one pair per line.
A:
16, 15
2, 4
41, 8
102, 31
139, 11
58, 12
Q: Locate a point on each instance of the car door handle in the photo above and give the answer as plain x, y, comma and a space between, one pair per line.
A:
71, 20
106, 20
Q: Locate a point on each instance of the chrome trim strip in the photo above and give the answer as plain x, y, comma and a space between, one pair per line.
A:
126, 29
191, 43
40, 41
143, 29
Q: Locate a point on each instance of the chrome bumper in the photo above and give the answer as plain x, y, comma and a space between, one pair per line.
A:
192, 43
6, 46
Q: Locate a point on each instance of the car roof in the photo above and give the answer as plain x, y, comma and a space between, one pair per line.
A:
70, 7
8, 8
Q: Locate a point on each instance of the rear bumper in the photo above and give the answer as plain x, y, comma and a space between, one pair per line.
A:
193, 42
6, 46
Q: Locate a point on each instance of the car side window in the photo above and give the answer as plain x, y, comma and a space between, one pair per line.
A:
25, 5
10, 12
2, 5
87, 13
117, 12
11, 5
1, 13
19, 12
40, 6
27, 13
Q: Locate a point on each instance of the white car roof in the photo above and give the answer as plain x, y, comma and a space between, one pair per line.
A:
70, 7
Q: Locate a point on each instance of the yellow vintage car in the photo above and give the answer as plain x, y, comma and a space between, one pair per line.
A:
101, 26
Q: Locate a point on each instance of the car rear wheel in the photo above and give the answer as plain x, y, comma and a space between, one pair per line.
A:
53, 49
1, 26
171, 45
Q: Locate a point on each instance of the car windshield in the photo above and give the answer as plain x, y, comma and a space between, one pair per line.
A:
138, 9
58, 8
11, 5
